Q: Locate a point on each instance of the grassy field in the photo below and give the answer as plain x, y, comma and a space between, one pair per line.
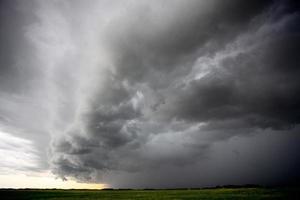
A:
221, 193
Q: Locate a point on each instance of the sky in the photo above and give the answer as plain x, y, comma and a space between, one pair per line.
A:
149, 94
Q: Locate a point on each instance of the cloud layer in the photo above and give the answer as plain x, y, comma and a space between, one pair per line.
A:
145, 94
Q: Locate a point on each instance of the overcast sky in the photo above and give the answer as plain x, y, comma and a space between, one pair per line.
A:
153, 93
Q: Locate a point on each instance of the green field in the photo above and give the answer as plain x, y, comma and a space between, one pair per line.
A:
221, 193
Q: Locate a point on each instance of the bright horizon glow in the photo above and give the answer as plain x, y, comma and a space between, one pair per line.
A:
47, 181
23, 154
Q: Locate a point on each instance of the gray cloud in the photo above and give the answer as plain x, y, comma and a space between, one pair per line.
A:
253, 86
182, 33
22, 112
158, 94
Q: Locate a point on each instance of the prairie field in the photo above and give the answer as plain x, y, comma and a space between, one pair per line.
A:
147, 194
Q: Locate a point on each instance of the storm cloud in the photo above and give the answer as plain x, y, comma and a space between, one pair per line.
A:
155, 94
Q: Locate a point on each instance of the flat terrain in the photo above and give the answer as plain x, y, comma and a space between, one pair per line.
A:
220, 193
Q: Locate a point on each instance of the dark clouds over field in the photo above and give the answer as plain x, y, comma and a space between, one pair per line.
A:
154, 93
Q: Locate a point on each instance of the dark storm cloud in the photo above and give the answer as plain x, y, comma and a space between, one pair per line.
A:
184, 78
147, 47
259, 85
157, 94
